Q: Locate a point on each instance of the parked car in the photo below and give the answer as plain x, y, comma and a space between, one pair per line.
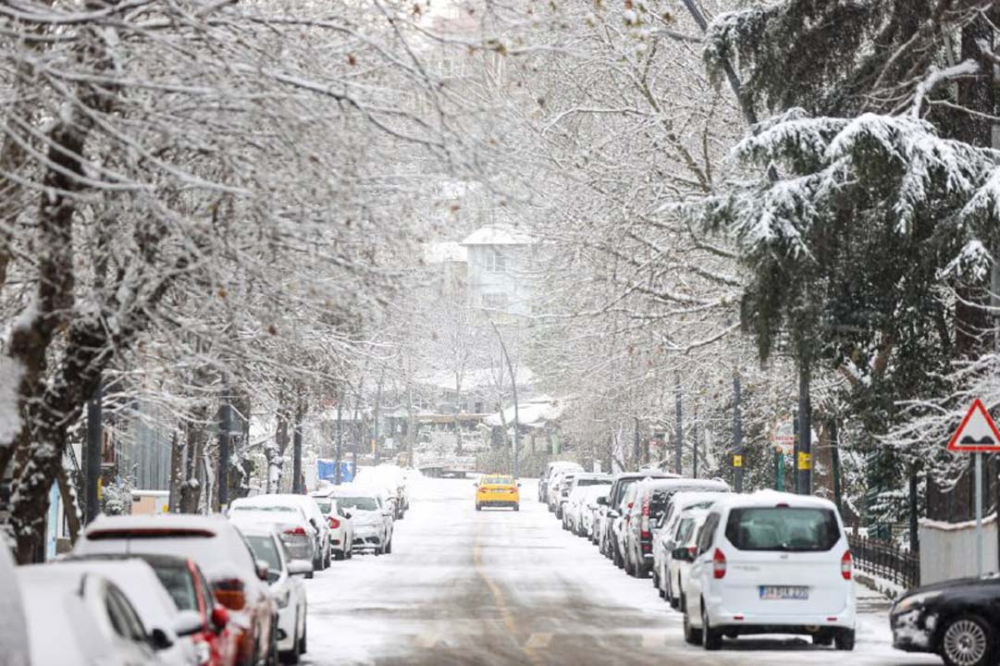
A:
578, 480
683, 544
339, 522
576, 503
13, 629
172, 631
498, 490
550, 470
664, 536
76, 618
771, 563
295, 529
216, 641
959, 620
372, 520
612, 505
558, 480
236, 577
592, 512
317, 529
652, 497
393, 479
286, 588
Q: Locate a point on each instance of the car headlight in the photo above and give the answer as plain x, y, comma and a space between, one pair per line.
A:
284, 597
909, 603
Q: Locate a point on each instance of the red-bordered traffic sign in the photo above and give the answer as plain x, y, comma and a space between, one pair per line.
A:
978, 432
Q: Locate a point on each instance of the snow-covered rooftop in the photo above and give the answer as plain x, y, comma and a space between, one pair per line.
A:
472, 379
498, 235
534, 413
440, 253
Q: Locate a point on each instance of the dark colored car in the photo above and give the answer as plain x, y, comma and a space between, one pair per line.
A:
611, 509
956, 619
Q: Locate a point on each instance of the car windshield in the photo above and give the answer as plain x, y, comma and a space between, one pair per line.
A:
359, 503
590, 482
497, 481
263, 548
684, 530
177, 580
782, 529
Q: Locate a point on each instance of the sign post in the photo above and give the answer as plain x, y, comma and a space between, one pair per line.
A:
977, 434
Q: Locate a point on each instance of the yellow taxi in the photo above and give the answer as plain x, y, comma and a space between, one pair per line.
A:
497, 490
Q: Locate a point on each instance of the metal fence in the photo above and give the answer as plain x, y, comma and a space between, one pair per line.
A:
886, 560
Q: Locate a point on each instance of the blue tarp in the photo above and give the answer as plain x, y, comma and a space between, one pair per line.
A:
328, 471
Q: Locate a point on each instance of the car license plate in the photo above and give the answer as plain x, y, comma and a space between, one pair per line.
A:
775, 592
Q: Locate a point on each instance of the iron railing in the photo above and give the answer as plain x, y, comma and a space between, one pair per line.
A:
886, 560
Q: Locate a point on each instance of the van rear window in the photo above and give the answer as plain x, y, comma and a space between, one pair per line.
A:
787, 529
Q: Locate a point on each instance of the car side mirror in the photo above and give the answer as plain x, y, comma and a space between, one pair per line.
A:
159, 640
220, 618
602, 501
682, 555
613, 514
187, 623
475, 484
348, 515
300, 568
518, 484
263, 569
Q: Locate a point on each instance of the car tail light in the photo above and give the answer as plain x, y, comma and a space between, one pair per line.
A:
644, 534
845, 565
718, 564
230, 593
296, 531
692, 550
334, 523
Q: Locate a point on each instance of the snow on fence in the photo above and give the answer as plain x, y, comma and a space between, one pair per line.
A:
885, 560
948, 550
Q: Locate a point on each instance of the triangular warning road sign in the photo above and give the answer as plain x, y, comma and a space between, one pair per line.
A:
977, 432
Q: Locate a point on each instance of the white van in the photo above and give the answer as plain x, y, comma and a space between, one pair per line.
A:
771, 563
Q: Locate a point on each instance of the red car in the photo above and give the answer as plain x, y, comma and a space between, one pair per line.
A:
222, 555
218, 641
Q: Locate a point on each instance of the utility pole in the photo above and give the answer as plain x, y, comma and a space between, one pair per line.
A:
95, 435
803, 460
694, 444
737, 433
679, 444
297, 450
835, 457
340, 439
513, 386
225, 426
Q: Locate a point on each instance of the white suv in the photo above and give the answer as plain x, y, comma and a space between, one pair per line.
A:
771, 563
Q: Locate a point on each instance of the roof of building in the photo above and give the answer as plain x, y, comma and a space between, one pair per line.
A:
497, 235
440, 253
534, 413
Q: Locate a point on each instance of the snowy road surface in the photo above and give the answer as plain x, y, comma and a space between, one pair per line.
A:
499, 587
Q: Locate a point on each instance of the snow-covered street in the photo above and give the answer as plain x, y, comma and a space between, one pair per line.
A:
499, 587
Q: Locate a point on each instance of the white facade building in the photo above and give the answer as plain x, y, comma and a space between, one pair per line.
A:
500, 270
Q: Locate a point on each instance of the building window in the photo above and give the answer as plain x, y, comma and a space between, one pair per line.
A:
495, 262
494, 301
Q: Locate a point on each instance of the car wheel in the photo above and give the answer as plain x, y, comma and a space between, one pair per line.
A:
710, 638
656, 581
388, 548
967, 641
303, 646
822, 639
517, 507
478, 507
692, 636
675, 599
338, 555
844, 640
